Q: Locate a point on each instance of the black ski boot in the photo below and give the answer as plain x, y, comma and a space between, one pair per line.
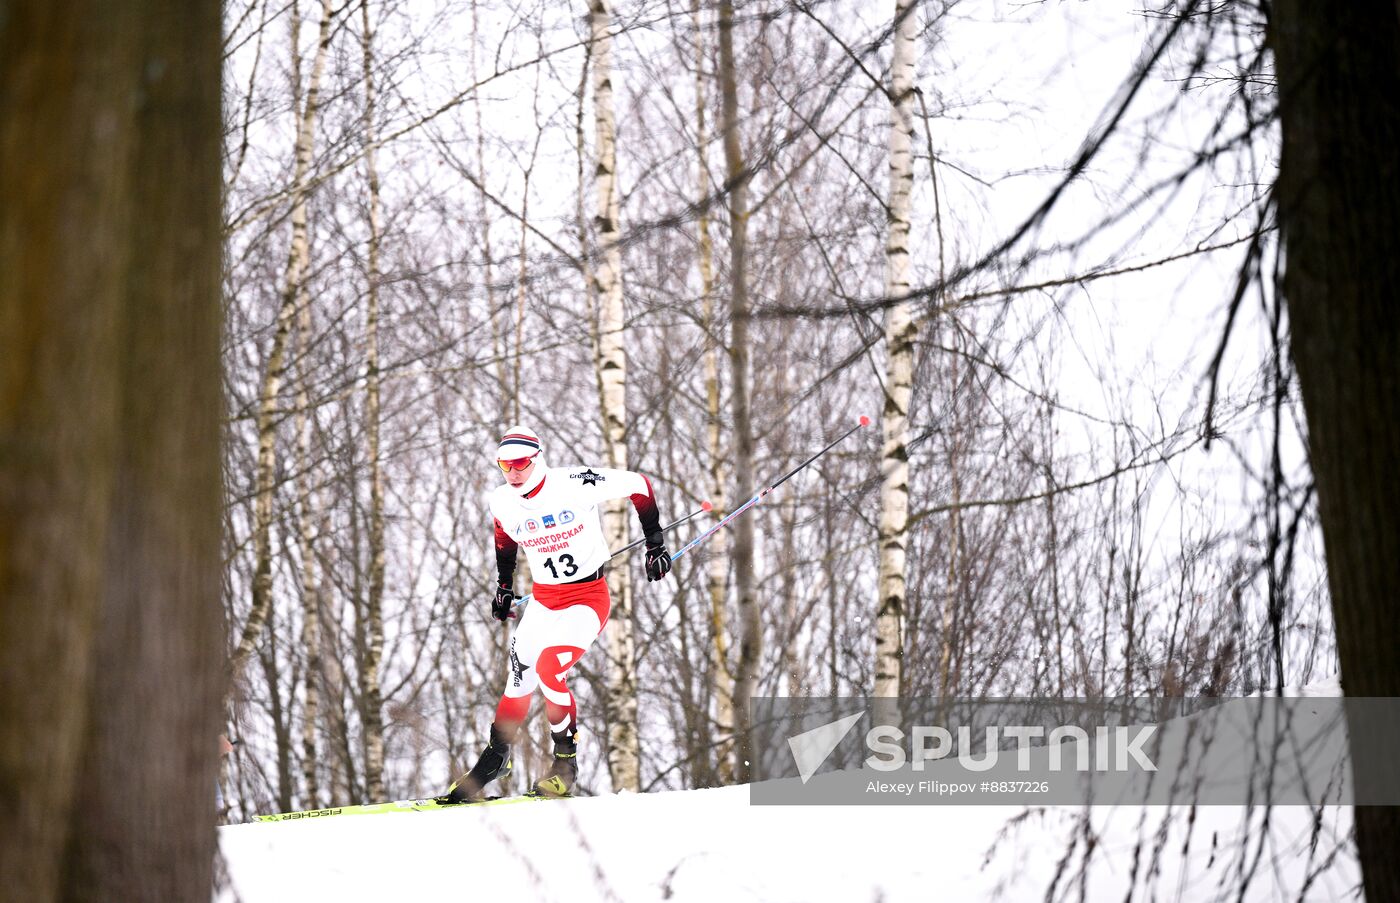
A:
563, 772
495, 762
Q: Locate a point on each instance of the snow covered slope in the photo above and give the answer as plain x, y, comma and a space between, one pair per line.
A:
711, 845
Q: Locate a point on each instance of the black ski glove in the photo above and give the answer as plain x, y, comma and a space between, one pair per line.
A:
500, 606
658, 559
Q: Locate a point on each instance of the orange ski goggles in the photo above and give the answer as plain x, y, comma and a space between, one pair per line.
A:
515, 464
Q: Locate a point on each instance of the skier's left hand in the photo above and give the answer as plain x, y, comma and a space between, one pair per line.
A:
500, 605
658, 559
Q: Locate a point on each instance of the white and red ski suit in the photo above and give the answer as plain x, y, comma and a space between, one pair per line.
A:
558, 524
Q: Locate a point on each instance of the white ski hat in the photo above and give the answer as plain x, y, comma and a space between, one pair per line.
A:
518, 442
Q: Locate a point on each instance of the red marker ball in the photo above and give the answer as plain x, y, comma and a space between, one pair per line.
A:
864, 420
705, 506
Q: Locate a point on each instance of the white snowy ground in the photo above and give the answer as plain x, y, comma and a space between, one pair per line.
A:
711, 845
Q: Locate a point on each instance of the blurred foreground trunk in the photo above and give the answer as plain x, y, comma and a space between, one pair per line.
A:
111, 626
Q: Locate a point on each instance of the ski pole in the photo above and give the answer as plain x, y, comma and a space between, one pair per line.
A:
864, 421
704, 506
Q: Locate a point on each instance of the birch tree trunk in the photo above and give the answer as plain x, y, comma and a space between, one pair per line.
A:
279, 713
948, 678
585, 253
310, 582
794, 664
294, 275
370, 691
624, 752
899, 367
736, 182
717, 569
500, 337
110, 418
522, 267
833, 595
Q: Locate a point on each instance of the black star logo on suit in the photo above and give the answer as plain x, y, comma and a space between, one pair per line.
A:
517, 667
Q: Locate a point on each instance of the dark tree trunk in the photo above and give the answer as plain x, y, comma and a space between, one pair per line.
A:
110, 419
1339, 205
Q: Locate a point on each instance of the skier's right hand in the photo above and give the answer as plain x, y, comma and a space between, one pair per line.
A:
500, 606
658, 559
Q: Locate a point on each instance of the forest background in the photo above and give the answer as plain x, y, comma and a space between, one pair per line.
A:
446, 217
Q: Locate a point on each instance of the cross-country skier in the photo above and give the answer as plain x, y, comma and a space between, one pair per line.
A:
553, 513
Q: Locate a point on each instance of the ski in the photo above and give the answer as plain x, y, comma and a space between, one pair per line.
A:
430, 804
